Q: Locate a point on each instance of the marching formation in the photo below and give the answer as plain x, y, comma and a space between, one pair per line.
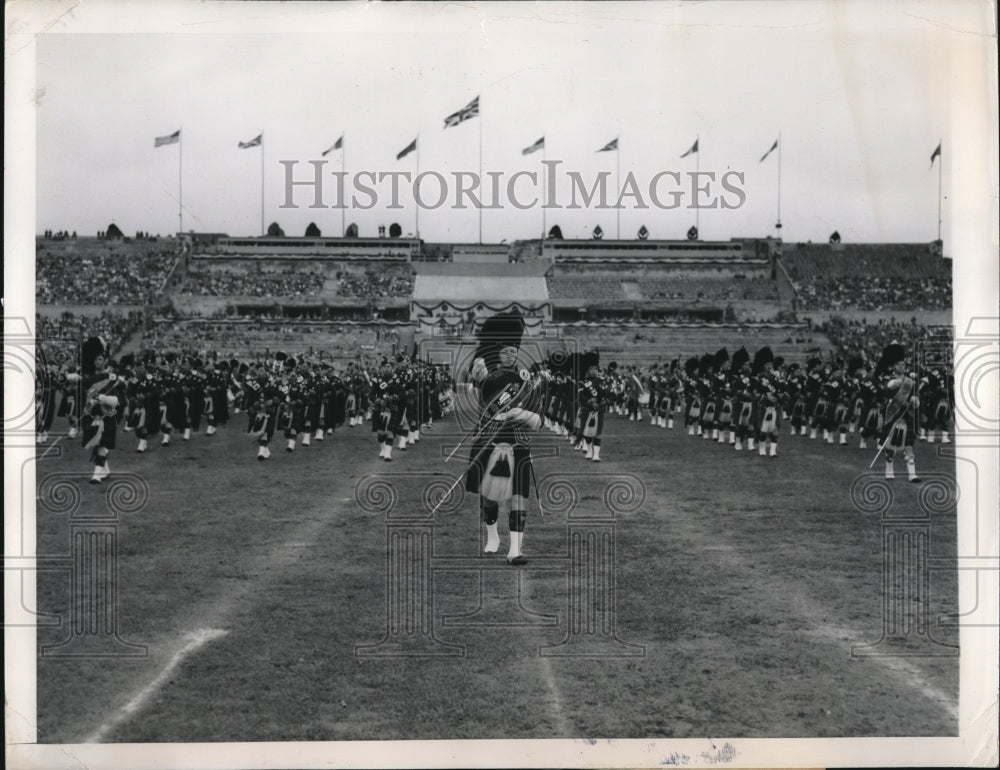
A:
737, 400
169, 397
744, 402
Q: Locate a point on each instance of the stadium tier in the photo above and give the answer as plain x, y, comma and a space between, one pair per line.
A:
656, 252
97, 271
388, 249
633, 299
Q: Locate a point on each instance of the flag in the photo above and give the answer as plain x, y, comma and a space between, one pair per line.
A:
336, 146
540, 144
773, 148
407, 150
934, 155
612, 145
255, 142
694, 148
173, 138
471, 110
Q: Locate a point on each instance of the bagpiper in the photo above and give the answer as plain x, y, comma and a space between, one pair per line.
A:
901, 412
500, 460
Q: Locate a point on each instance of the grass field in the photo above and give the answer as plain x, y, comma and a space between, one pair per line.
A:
741, 586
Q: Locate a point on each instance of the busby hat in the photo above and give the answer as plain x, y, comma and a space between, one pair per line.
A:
779, 361
590, 358
855, 363
740, 357
613, 366
706, 363
503, 329
497, 332
91, 349
721, 356
691, 365
762, 357
892, 354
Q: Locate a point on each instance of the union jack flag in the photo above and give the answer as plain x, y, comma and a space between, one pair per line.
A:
471, 110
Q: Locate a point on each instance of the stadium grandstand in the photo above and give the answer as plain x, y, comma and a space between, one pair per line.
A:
377, 296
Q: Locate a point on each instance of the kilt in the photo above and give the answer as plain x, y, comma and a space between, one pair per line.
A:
99, 432
479, 458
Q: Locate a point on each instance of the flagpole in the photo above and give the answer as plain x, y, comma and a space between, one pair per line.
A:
343, 173
416, 203
778, 225
480, 121
697, 170
544, 169
262, 231
940, 164
180, 177
618, 174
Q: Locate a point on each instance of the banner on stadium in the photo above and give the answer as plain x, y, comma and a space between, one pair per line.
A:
530, 312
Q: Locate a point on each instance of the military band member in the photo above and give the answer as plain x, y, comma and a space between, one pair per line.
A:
593, 403
104, 403
500, 459
692, 396
768, 402
898, 430
937, 399
384, 411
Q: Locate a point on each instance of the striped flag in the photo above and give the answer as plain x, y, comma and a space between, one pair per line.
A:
336, 146
773, 148
471, 110
407, 150
173, 138
535, 147
612, 145
255, 142
934, 155
694, 148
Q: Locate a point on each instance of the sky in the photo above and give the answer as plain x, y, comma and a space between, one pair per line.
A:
860, 94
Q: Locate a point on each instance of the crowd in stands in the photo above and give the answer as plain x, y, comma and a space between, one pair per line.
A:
866, 292
805, 261
100, 273
645, 287
346, 341
737, 287
375, 284
270, 313
858, 338
257, 283
114, 327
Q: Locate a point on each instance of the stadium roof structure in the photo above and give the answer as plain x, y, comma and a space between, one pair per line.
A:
448, 282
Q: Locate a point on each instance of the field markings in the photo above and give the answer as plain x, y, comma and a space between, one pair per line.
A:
898, 665
192, 641
216, 611
901, 669
556, 699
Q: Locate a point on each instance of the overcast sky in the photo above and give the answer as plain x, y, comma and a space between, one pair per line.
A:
861, 94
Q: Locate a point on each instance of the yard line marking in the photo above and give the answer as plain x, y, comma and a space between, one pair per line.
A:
562, 724
194, 640
911, 674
